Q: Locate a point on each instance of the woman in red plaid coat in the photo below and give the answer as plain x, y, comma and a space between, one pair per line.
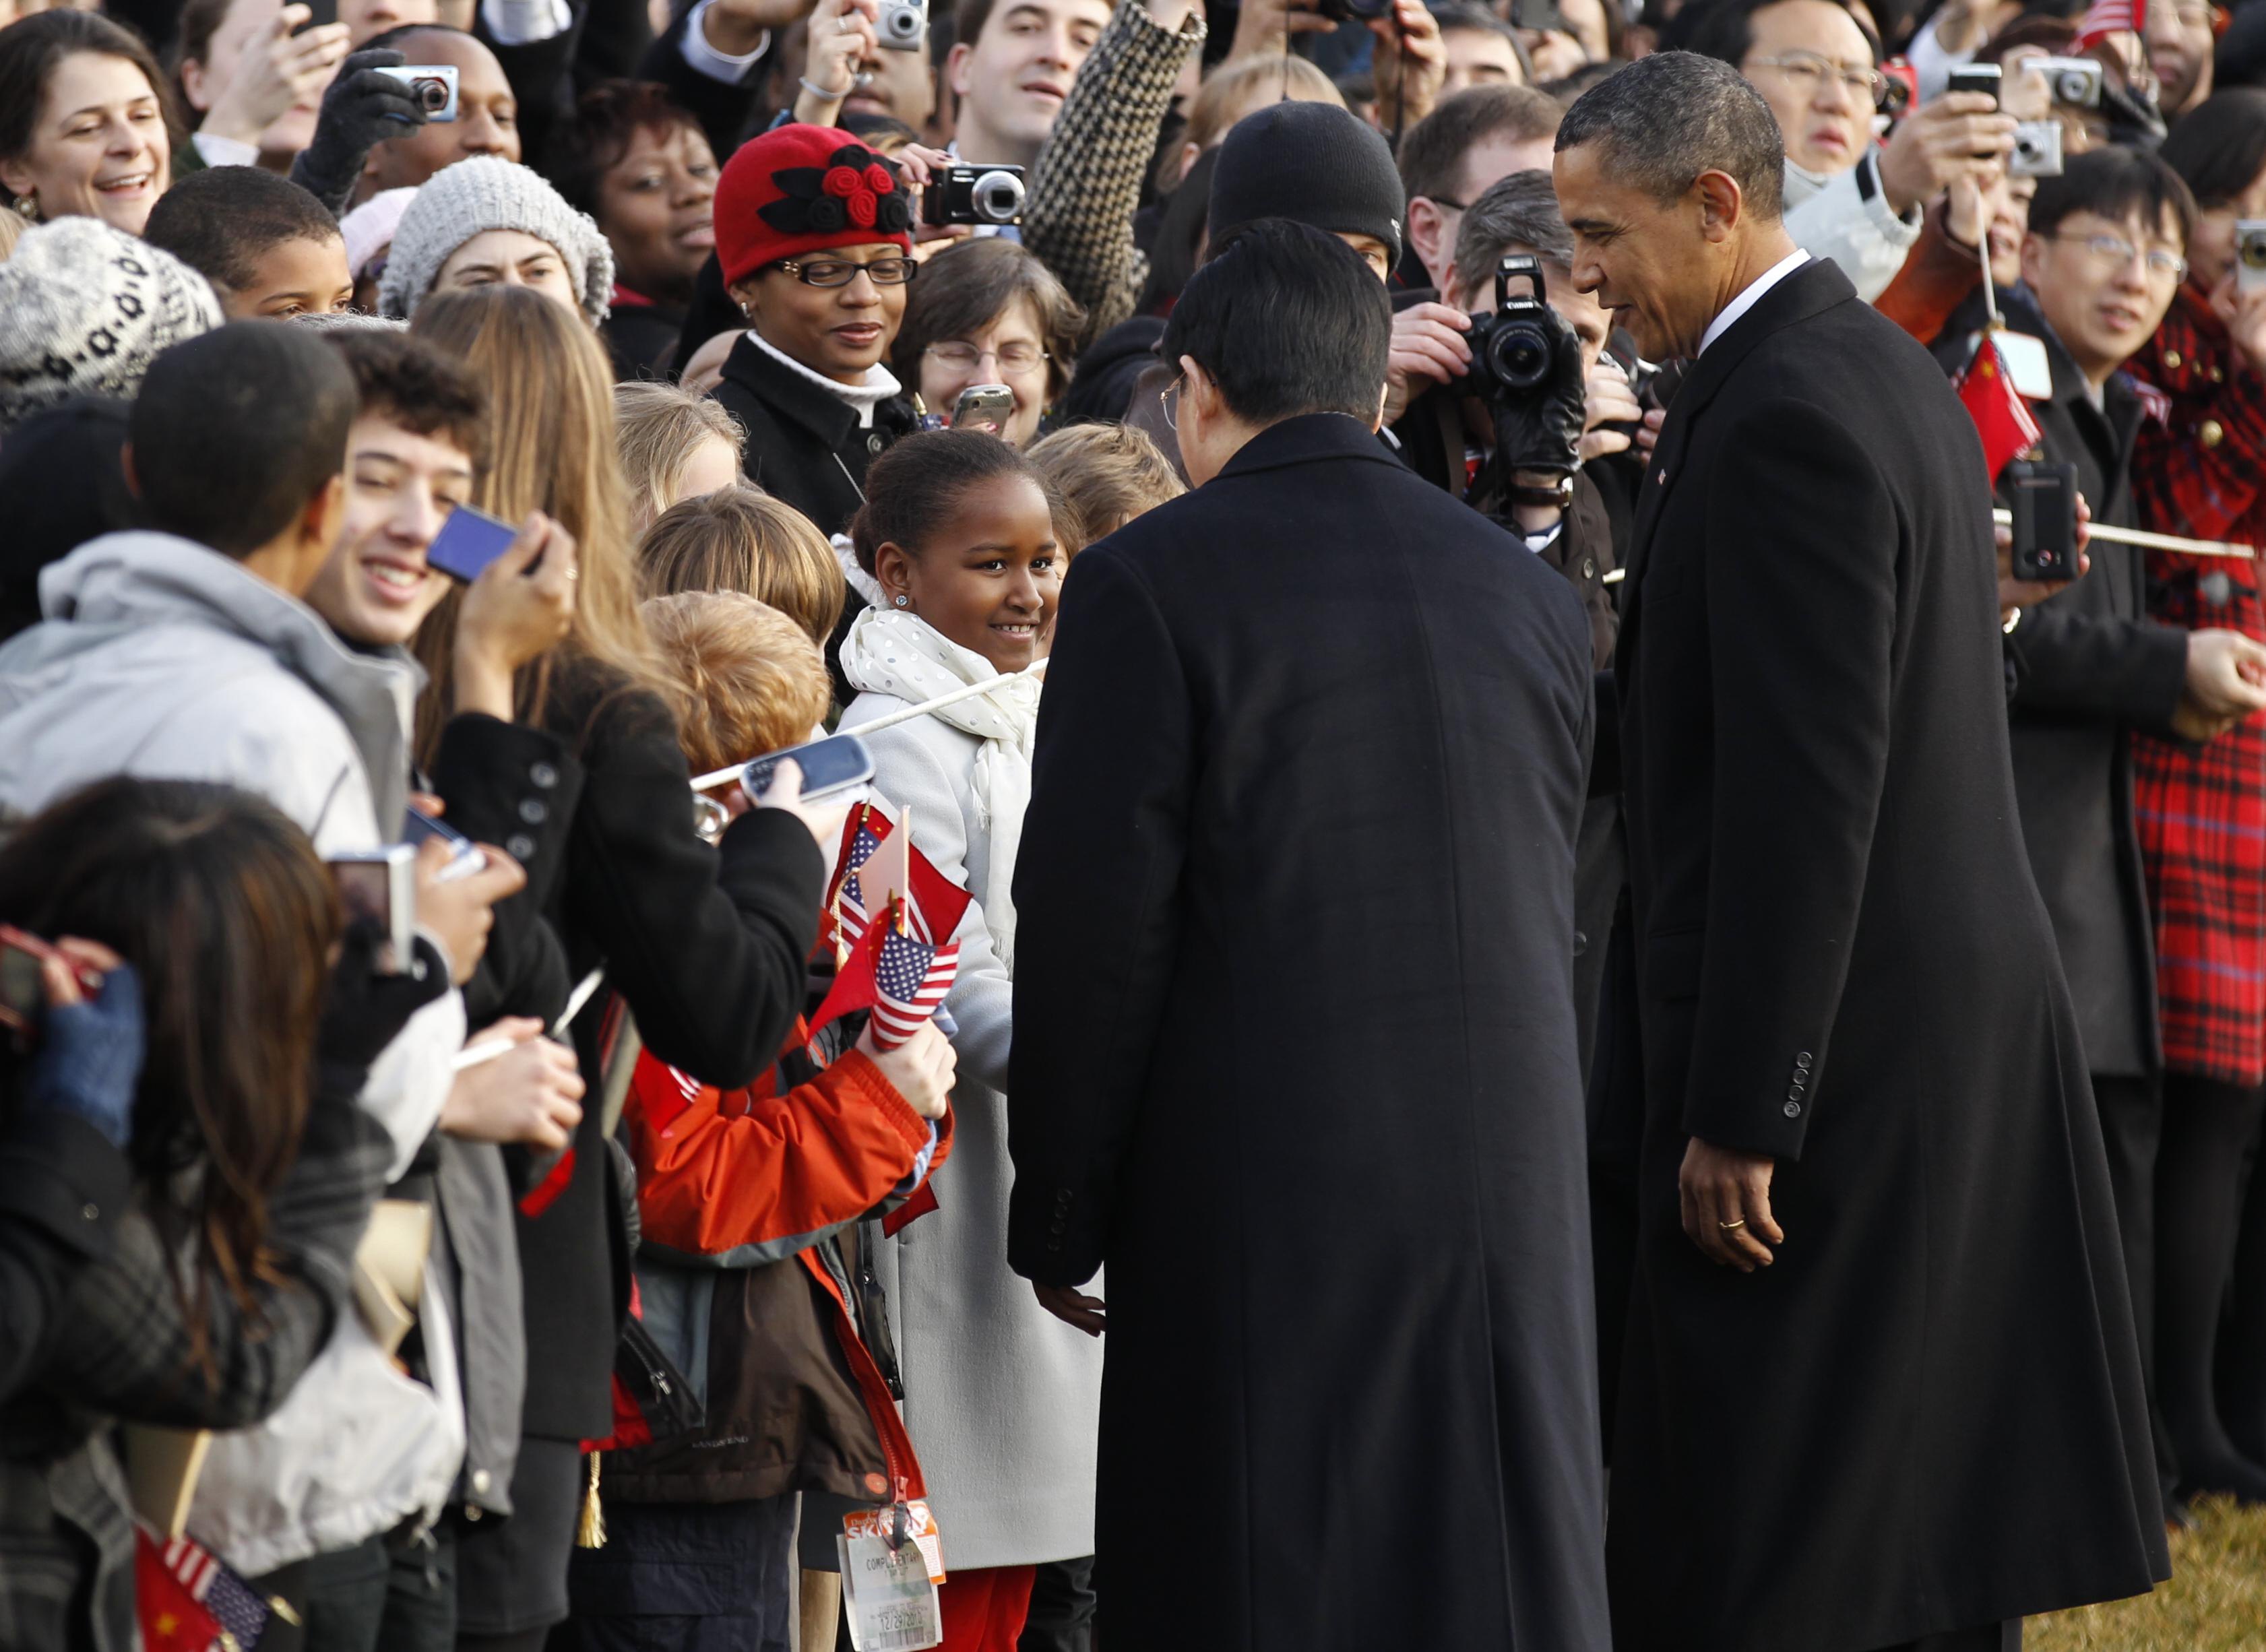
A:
2202, 817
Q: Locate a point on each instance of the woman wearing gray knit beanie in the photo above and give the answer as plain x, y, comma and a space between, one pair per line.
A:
486, 221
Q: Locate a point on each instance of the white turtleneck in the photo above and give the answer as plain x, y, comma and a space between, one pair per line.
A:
879, 386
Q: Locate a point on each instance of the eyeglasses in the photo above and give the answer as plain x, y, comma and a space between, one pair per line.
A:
1169, 398
2113, 253
1015, 360
840, 272
1809, 72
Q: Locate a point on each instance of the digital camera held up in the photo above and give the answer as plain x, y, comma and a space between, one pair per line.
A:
902, 25
973, 194
1527, 366
432, 87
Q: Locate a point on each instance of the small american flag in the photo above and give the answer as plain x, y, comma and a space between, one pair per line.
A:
912, 977
213, 1610
2105, 17
858, 845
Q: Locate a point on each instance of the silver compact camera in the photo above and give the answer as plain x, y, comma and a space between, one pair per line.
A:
2037, 150
432, 86
2249, 255
903, 25
2076, 80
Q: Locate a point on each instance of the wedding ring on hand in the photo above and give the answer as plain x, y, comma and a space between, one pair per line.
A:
1732, 1227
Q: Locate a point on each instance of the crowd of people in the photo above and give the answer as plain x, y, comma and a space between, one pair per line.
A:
1404, 998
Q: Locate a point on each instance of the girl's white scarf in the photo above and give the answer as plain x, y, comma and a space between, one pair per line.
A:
889, 652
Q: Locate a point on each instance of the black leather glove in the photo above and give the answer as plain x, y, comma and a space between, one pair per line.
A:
1540, 429
364, 1010
361, 109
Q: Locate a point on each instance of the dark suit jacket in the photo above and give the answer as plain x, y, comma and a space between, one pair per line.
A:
1295, 1053
1926, 1414
805, 446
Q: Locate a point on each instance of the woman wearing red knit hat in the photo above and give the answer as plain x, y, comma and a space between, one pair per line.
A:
814, 233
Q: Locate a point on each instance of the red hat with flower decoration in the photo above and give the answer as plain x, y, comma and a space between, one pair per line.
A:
800, 189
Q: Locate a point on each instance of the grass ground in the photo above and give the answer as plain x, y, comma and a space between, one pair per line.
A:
2215, 1601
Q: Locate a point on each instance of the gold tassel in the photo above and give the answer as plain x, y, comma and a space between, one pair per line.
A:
590, 1530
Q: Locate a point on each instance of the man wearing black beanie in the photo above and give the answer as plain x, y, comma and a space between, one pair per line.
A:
1313, 164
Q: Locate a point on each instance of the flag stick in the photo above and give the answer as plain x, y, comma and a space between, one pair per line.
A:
2142, 537
966, 691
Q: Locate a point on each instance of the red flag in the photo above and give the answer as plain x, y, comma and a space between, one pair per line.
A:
2105, 17
2001, 417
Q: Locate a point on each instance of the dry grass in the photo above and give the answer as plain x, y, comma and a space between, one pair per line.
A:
2215, 1601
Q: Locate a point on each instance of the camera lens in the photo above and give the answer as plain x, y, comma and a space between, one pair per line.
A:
2253, 252
998, 197
1520, 354
903, 22
432, 93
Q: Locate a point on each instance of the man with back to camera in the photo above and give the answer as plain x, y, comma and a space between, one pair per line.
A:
1296, 1053
1882, 1389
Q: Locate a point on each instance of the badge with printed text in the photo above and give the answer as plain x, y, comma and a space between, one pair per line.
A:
892, 1561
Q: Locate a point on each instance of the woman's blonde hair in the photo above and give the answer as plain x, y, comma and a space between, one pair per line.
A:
658, 428
1107, 475
751, 681
742, 540
550, 448
1230, 93
12, 225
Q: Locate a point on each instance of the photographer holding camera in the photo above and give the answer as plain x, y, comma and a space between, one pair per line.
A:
1511, 432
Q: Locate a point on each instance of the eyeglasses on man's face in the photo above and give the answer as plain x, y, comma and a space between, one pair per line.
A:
840, 272
1169, 398
1809, 71
2110, 253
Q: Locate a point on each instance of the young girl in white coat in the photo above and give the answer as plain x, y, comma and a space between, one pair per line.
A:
1002, 1399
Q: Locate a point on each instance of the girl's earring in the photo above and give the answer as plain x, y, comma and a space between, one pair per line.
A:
904, 602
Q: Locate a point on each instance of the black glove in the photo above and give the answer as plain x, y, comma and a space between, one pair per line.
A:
1540, 429
364, 1010
361, 109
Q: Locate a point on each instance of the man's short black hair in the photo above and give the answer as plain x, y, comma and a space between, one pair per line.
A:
2220, 147
236, 430
392, 38
1725, 29
1433, 152
2113, 182
222, 221
1666, 119
1286, 319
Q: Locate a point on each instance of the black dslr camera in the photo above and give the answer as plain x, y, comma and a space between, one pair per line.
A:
1526, 365
973, 194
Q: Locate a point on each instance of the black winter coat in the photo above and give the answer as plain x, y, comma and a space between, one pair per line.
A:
1927, 1414
705, 945
1295, 1054
805, 446
2090, 667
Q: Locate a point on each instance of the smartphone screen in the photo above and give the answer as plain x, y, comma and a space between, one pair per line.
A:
467, 543
830, 765
22, 989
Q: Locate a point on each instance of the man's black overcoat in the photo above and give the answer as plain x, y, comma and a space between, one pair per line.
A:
1927, 1414
1295, 1054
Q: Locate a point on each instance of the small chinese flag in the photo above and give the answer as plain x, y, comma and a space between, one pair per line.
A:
2001, 417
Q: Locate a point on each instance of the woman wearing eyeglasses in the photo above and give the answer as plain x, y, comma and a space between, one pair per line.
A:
989, 312
814, 233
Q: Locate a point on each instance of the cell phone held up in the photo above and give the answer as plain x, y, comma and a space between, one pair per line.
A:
830, 767
1983, 78
983, 407
24, 959
468, 541
381, 885
2041, 497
